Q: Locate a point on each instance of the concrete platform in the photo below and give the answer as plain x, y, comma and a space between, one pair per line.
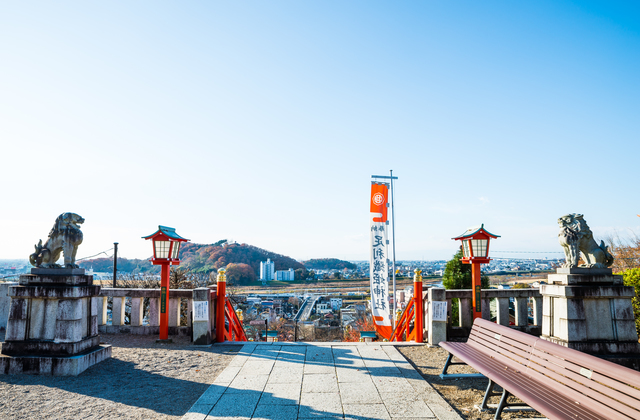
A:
320, 381
51, 365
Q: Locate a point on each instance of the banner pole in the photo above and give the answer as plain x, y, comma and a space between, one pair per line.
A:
393, 242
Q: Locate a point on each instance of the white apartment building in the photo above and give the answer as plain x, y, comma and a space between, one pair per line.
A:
285, 275
267, 269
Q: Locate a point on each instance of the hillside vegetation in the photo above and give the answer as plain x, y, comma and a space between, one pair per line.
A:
203, 258
328, 264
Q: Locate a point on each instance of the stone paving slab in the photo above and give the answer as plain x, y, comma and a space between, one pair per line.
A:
297, 381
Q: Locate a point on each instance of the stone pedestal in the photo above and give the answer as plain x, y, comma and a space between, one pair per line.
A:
52, 327
590, 310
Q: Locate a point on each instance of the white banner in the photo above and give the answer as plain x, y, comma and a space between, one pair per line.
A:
379, 263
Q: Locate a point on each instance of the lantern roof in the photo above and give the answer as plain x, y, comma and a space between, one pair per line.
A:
165, 232
476, 231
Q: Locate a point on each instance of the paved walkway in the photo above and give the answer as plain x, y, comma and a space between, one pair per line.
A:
289, 381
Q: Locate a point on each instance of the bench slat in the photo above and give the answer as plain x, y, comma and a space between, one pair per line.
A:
533, 392
619, 373
589, 392
559, 382
504, 346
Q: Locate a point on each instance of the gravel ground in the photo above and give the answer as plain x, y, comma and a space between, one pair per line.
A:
461, 394
142, 380
145, 380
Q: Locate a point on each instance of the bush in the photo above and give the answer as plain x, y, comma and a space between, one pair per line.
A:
632, 278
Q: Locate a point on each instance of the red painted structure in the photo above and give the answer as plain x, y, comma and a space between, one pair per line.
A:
226, 315
475, 251
413, 312
166, 248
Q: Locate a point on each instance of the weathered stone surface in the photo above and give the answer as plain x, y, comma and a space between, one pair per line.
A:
437, 329
64, 237
52, 280
585, 279
19, 309
48, 348
42, 319
593, 319
137, 311
70, 309
68, 331
143, 330
577, 241
5, 303
52, 329
174, 311
53, 292
58, 271
16, 330
148, 293
154, 311
52, 365
585, 271
594, 292
117, 311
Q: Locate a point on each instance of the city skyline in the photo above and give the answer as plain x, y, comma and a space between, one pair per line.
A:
263, 122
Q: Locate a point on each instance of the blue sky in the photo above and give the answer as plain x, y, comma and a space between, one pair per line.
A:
262, 122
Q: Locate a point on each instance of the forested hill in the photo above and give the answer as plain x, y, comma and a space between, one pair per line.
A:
205, 258
105, 265
328, 264
202, 259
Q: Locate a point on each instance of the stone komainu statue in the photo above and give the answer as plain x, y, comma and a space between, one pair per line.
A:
65, 236
577, 240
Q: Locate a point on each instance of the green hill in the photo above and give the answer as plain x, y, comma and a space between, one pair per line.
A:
205, 258
202, 258
328, 264
124, 264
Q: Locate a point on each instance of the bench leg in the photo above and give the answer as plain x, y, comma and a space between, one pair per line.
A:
503, 404
487, 394
446, 365
449, 362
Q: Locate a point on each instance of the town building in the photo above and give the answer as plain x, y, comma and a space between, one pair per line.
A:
267, 269
285, 275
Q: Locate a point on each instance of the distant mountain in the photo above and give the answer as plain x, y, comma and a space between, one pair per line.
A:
206, 258
105, 265
328, 264
202, 258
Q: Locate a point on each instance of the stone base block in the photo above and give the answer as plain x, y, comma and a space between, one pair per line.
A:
585, 271
143, 330
599, 347
56, 366
48, 348
58, 271
586, 279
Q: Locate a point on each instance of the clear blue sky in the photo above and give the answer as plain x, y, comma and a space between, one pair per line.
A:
262, 121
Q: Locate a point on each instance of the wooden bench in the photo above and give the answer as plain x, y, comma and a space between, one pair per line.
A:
559, 382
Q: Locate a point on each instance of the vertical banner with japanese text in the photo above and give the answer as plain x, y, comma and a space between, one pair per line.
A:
379, 263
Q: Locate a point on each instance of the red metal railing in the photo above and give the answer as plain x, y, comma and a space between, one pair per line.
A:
225, 315
412, 313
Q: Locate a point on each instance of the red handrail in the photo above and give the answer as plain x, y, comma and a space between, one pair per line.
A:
236, 331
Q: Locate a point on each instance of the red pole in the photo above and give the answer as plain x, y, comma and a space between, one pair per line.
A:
477, 298
164, 301
220, 304
417, 296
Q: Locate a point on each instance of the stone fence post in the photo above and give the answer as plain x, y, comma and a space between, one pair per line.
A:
437, 329
201, 321
5, 302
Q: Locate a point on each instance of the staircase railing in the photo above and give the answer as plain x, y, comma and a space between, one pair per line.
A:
410, 325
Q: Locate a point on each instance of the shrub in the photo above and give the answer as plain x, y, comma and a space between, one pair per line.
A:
632, 278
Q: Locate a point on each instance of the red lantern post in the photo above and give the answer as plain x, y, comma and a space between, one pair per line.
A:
475, 250
166, 248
